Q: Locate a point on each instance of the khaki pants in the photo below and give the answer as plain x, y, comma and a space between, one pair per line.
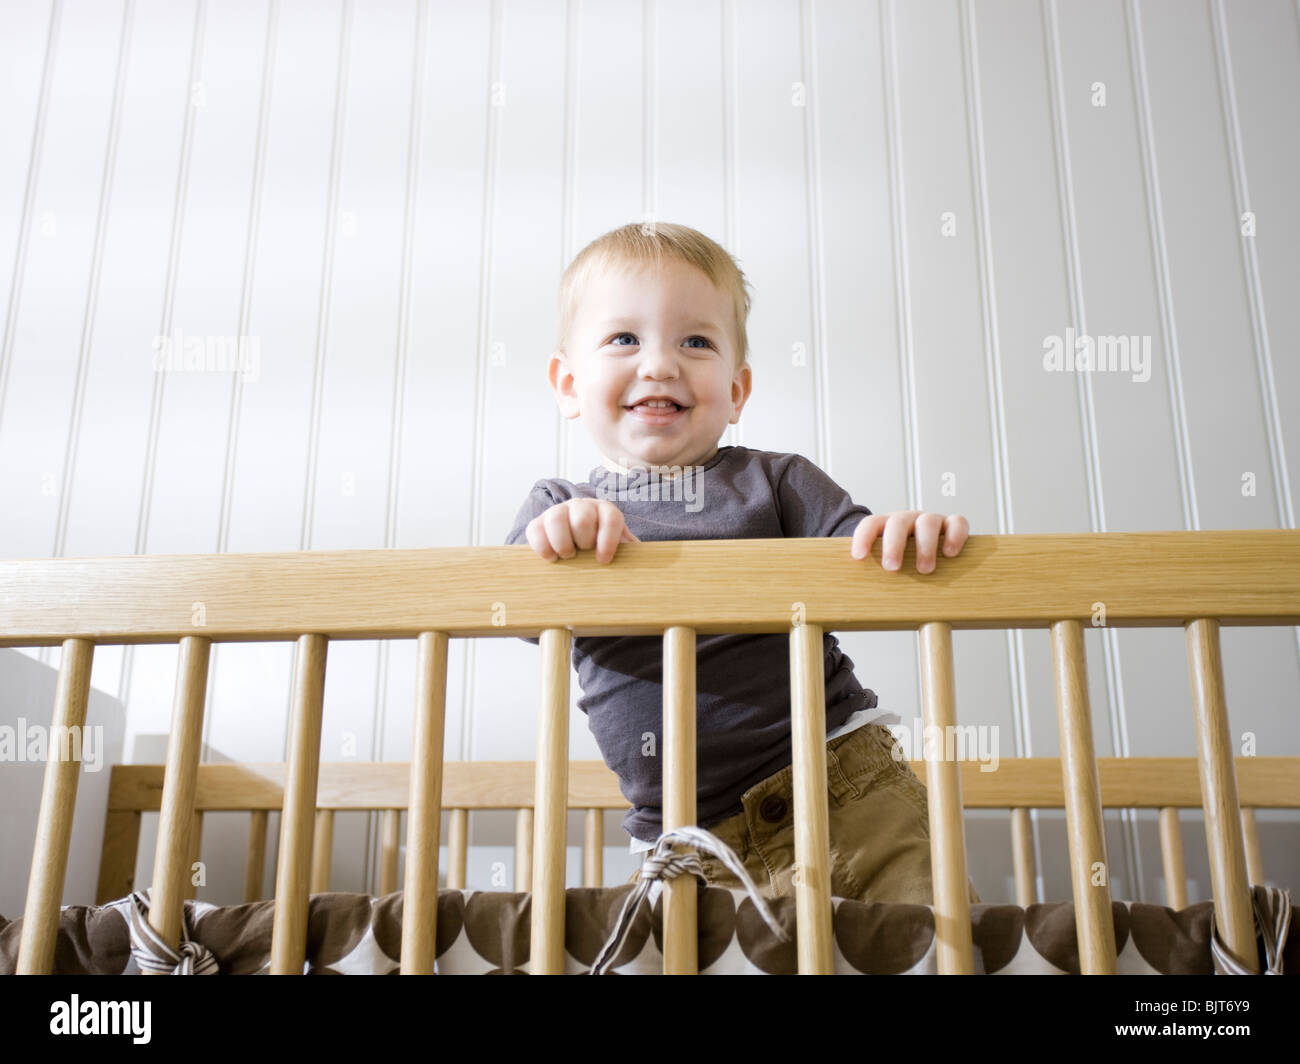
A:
879, 827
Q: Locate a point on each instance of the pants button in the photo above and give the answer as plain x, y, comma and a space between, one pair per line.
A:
772, 808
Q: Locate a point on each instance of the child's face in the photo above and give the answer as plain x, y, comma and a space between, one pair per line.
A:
642, 333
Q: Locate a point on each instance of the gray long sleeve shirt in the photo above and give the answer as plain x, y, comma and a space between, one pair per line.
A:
742, 680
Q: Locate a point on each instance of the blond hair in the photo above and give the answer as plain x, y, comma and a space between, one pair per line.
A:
649, 244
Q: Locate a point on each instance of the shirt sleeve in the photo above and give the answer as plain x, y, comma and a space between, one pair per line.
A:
812, 504
538, 502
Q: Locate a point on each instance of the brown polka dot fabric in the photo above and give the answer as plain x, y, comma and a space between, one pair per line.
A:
996, 932
1172, 941
877, 938
92, 941
590, 913
239, 936
388, 923
487, 932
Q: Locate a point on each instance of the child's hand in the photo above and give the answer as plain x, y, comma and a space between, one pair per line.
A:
579, 524
898, 526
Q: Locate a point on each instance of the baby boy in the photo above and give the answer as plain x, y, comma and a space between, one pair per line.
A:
652, 354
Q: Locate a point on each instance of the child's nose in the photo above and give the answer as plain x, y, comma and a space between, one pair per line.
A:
658, 359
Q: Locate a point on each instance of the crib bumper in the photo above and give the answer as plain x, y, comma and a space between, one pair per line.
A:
487, 932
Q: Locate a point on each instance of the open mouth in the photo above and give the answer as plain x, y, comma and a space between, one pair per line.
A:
656, 414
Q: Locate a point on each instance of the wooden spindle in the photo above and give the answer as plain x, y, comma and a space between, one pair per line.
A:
256, 860
1089, 869
194, 854
1254, 856
550, 801
523, 849
119, 855
1171, 854
954, 946
424, 819
1233, 911
593, 849
1023, 857
292, 895
457, 848
322, 851
58, 802
390, 845
812, 857
681, 936
174, 855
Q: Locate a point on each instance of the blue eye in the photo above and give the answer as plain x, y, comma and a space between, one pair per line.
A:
614, 340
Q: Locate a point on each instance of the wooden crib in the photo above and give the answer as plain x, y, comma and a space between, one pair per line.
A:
1197, 580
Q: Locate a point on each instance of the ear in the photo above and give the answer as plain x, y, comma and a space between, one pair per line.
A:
741, 383
559, 372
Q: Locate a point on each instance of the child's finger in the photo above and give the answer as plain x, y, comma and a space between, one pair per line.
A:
927, 541
555, 522
865, 535
539, 541
897, 529
609, 532
956, 530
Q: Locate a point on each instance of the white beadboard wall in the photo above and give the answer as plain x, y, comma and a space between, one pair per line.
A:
381, 196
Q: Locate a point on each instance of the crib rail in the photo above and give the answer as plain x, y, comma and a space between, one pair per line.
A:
1195, 580
1145, 579
1167, 784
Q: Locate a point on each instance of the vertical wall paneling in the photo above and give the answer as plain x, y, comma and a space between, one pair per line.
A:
25, 117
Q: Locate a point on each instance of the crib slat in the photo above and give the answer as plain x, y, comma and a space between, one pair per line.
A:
175, 854
118, 856
424, 821
551, 803
390, 844
1232, 905
58, 802
1254, 856
1171, 854
593, 849
681, 936
1023, 857
256, 860
194, 853
812, 853
1089, 869
292, 896
955, 949
523, 849
457, 848
322, 851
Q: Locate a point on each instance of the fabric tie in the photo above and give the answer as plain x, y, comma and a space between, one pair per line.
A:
1272, 907
662, 863
154, 956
